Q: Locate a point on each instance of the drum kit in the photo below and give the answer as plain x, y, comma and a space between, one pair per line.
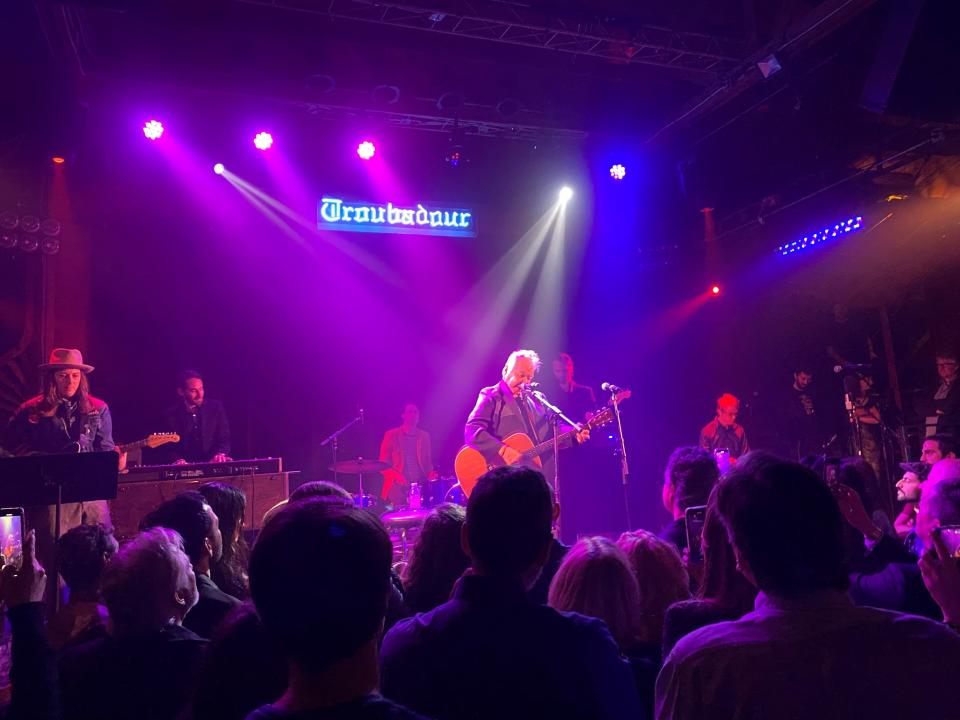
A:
403, 523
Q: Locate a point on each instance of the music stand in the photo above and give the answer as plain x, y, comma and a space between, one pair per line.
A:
43, 480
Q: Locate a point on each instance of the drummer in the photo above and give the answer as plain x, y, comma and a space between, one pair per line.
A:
406, 449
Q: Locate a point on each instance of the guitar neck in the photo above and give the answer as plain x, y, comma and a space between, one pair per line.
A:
547, 445
127, 447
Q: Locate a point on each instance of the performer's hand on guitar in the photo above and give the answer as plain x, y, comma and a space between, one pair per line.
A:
509, 455
583, 435
123, 459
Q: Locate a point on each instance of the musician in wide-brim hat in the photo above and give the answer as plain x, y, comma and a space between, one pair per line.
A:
63, 418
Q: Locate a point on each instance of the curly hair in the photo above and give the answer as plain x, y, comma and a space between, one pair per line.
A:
437, 559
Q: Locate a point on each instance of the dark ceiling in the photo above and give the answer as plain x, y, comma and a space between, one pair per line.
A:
680, 76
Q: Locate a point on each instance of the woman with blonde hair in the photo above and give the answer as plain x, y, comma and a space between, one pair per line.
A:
661, 578
595, 579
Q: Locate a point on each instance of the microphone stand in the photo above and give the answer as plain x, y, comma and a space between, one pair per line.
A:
557, 417
622, 452
333, 439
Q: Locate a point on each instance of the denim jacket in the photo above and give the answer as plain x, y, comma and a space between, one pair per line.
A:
30, 432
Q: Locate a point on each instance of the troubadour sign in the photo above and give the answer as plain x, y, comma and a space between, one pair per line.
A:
337, 214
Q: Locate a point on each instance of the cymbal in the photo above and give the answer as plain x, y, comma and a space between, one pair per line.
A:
359, 466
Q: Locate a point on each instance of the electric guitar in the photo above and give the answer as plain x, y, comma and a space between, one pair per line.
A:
152, 440
470, 464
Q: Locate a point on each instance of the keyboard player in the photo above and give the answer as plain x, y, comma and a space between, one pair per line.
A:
201, 423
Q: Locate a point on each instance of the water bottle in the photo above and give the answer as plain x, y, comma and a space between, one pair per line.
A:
414, 499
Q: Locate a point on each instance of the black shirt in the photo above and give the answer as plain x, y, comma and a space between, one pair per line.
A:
148, 677
370, 707
492, 653
203, 432
211, 608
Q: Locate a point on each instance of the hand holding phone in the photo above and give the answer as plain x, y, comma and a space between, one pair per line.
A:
11, 536
694, 520
26, 584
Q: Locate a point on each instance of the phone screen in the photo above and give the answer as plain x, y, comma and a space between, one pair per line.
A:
694, 518
830, 474
11, 535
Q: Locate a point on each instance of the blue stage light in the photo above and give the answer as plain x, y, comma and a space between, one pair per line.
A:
840, 229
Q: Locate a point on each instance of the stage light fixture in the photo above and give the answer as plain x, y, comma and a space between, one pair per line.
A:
153, 129
844, 227
715, 290
263, 141
618, 172
58, 160
366, 150
565, 194
50, 246
28, 243
7, 240
456, 155
29, 223
8, 220
51, 227
219, 168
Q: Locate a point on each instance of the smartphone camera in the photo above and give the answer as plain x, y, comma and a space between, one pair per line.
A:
694, 520
11, 536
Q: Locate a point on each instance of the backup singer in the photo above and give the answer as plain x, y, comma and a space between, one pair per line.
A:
503, 410
577, 401
407, 449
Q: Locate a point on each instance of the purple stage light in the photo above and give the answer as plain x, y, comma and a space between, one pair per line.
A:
366, 150
219, 168
618, 172
153, 129
263, 141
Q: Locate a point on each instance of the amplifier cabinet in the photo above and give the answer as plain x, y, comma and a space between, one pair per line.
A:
136, 499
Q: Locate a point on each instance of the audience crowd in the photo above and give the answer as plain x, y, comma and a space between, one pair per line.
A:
798, 598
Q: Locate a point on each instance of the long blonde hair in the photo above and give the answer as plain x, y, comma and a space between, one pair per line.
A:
595, 579
661, 578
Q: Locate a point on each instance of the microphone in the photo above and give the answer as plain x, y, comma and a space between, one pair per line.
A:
610, 388
852, 366
529, 387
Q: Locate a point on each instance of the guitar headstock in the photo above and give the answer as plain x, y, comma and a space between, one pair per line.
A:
157, 439
600, 418
620, 397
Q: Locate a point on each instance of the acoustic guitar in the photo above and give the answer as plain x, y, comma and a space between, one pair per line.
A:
470, 464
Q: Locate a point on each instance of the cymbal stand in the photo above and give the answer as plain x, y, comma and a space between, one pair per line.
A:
332, 440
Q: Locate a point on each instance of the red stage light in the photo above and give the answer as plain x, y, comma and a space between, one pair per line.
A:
57, 160
715, 289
